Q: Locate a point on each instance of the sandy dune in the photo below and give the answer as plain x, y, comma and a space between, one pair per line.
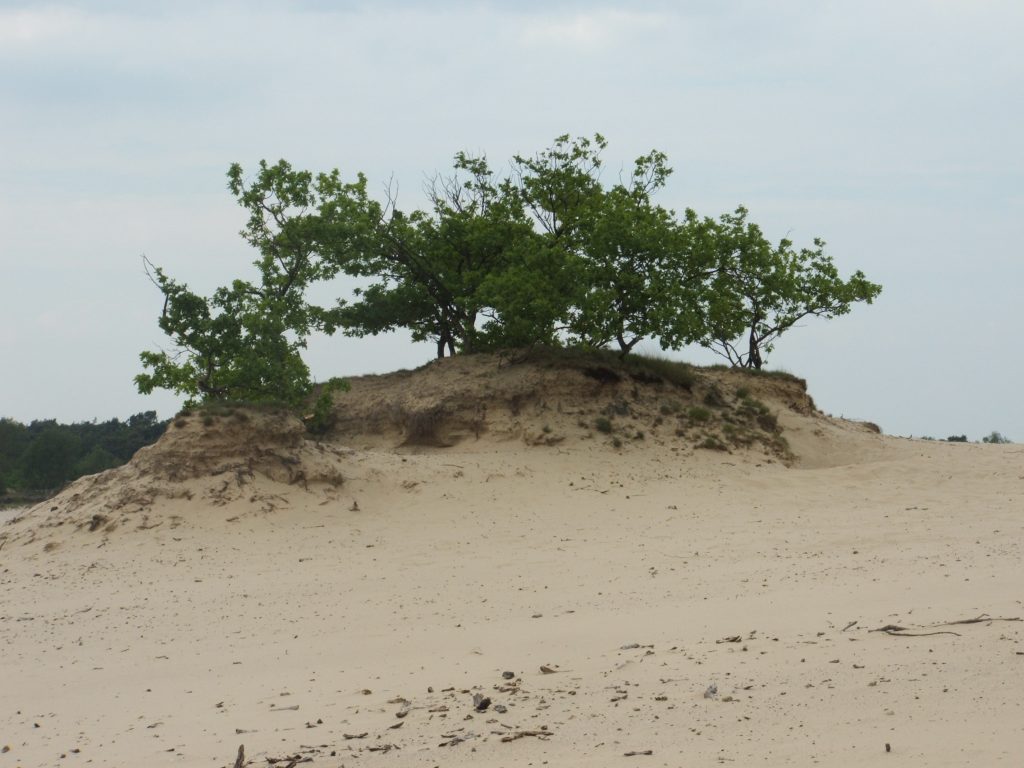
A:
352, 622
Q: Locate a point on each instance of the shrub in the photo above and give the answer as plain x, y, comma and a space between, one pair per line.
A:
995, 438
323, 416
956, 439
675, 373
750, 406
714, 397
737, 435
698, 414
603, 424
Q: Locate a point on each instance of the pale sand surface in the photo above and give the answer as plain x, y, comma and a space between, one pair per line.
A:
286, 618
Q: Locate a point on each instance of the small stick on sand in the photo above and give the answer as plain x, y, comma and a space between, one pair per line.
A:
240, 760
979, 620
898, 631
522, 734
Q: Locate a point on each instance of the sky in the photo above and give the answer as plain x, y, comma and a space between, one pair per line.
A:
890, 128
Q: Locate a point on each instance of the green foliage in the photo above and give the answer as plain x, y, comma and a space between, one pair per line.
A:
751, 406
698, 414
659, 368
96, 460
14, 439
545, 254
244, 341
712, 443
995, 438
714, 397
603, 424
457, 274
233, 345
320, 421
956, 439
44, 455
759, 290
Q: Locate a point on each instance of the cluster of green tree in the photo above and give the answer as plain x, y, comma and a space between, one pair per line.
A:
544, 254
995, 438
43, 455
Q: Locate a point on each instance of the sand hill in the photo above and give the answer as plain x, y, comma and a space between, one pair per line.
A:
514, 560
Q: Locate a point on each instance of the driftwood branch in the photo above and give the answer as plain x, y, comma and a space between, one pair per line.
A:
902, 632
897, 631
978, 620
523, 734
240, 760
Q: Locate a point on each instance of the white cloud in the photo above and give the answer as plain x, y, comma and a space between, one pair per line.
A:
26, 27
587, 30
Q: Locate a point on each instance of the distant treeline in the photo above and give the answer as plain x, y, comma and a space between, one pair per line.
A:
42, 456
995, 438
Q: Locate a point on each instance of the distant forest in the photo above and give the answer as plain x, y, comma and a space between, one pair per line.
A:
38, 458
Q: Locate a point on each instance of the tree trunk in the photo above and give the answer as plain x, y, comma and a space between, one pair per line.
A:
625, 347
754, 352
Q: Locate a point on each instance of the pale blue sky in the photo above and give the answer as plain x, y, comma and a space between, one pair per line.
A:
891, 129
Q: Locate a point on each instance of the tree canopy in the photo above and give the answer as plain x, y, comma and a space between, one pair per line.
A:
545, 253
758, 291
244, 342
43, 455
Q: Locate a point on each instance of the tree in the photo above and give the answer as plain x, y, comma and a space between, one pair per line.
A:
231, 346
760, 291
631, 270
96, 460
996, 438
244, 342
435, 270
48, 461
14, 439
545, 254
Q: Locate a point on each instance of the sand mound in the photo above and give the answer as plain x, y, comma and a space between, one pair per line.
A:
210, 458
513, 402
543, 398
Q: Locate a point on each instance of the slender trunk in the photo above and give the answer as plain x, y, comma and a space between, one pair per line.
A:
469, 334
754, 352
753, 348
625, 347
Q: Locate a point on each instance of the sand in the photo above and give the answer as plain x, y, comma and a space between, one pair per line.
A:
352, 622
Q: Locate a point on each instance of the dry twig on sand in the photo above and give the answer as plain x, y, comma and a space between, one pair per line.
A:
978, 620
523, 734
897, 631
